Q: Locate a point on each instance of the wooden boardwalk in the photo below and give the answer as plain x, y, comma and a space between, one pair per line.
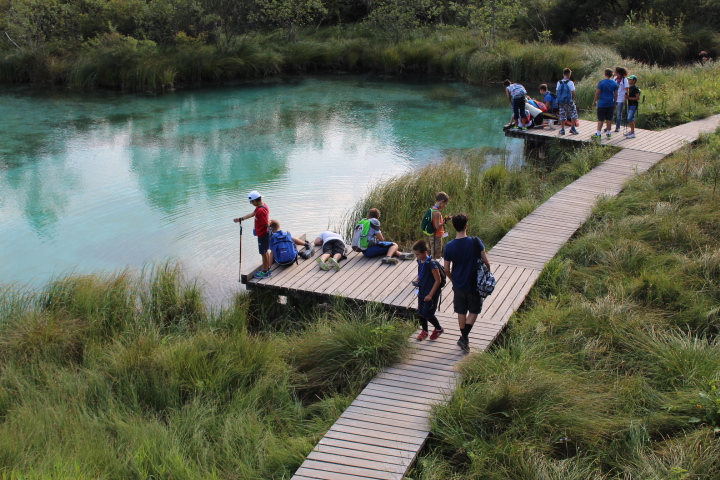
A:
381, 433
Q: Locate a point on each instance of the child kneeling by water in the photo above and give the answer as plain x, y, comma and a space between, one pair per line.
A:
276, 233
428, 290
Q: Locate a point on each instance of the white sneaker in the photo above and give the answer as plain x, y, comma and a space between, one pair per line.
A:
630, 135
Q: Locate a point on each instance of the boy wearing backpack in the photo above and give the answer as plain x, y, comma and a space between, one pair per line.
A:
565, 92
262, 221
283, 248
429, 283
434, 223
333, 250
461, 269
368, 239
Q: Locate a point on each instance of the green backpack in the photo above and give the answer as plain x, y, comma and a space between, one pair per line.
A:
360, 240
427, 224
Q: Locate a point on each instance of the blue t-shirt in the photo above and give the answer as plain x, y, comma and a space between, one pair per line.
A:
549, 101
461, 254
607, 89
427, 279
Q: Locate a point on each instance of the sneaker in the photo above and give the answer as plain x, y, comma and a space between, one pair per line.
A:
262, 274
562, 131
630, 135
407, 256
436, 333
334, 264
390, 260
609, 135
464, 344
617, 129
423, 335
574, 131
517, 127
323, 265
523, 128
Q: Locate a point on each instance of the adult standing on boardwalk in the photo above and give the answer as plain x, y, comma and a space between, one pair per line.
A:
461, 268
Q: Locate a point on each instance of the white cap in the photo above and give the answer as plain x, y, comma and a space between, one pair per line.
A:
254, 195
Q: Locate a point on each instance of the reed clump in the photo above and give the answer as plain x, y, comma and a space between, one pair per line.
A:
481, 184
131, 375
612, 370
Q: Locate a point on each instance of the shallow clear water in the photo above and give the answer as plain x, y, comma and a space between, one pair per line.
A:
103, 181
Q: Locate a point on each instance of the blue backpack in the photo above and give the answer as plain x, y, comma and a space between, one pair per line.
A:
564, 95
283, 248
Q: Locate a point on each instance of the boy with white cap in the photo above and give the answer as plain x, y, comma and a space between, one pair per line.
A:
261, 230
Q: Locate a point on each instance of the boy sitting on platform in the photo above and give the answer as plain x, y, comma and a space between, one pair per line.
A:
275, 233
368, 239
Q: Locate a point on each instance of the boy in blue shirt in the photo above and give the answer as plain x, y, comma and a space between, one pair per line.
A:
461, 269
428, 290
550, 101
605, 97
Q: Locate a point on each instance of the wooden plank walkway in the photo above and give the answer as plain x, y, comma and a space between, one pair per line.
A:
381, 433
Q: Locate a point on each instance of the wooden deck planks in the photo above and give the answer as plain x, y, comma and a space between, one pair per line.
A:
380, 433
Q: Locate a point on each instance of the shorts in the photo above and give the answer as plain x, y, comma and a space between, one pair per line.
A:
605, 114
264, 243
334, 247
380, 248
465, 302
428, 309
632, 111
568, 111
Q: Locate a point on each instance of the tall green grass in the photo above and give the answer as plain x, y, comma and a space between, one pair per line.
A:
131, 375
612, 370
479, 183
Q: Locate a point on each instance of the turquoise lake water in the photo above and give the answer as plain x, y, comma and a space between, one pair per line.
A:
103, 181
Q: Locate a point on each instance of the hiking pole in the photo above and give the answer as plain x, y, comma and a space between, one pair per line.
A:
240, 255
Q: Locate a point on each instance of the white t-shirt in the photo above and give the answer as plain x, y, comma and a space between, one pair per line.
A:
570, 84
622, 88
328, 235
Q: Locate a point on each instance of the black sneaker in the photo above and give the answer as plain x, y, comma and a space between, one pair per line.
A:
464, 344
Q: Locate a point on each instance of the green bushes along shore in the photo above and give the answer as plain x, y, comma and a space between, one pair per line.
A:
126, 376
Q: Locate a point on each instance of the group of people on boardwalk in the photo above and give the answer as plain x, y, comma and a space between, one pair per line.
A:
465, 260
615, 94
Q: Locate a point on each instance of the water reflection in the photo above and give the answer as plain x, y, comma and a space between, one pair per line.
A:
100, 181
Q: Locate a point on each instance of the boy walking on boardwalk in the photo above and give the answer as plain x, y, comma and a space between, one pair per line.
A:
428, 290
633, 100
434, 223
565, 92
461, 268
261, 230
605, 97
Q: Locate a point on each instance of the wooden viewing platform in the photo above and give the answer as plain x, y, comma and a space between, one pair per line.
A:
381, 433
